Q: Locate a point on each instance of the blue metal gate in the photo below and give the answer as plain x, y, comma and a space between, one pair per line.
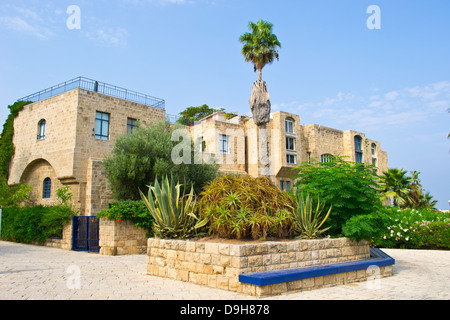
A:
85, 234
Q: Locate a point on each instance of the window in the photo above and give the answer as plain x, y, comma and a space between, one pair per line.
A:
374, 149
290, 144
285, 185
41, 130
47, 187
102, 126
326, 158
308, 156
358, 149
223, 144
131, 125
289, 125
290, 158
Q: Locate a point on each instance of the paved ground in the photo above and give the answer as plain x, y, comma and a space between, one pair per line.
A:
33, 272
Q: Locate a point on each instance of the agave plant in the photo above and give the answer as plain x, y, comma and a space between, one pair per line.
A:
309, 217
172, 210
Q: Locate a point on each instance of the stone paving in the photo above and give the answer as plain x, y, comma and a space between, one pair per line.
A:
32, 272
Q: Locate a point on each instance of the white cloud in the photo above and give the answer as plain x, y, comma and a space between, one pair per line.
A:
116, 37
26, 21
402, 107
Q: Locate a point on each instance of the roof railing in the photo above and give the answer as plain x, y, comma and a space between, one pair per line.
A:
96, 86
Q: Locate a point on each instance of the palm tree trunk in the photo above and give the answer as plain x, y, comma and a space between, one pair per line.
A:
259, 74
264, 159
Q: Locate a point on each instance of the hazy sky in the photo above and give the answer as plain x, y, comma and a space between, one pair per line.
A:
391, 82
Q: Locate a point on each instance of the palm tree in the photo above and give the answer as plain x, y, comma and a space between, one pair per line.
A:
261, 48
395, 185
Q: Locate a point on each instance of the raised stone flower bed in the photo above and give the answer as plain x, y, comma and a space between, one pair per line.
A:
219, 263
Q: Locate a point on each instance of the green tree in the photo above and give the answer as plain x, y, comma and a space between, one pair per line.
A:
350, 188
138, 158
192, 114
395, 185
260, 45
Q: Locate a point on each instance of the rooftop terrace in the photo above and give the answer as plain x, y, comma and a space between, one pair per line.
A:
96, 86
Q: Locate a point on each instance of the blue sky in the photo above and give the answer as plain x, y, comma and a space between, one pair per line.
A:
392, 83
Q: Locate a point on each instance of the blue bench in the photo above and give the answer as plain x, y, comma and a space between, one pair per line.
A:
265, 278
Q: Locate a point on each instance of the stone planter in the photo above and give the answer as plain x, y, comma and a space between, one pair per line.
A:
219, 264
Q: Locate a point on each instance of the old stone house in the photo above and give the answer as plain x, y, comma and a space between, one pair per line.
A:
234, 143
62, 137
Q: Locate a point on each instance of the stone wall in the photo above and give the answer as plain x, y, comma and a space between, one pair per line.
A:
218, 264
121, 238
65, 242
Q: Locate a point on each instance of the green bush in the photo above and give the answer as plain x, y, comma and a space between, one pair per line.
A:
415, 229
365, 227
145, 154
129, 210
6, 146
34, 224
350, 188
173, 210
240, 207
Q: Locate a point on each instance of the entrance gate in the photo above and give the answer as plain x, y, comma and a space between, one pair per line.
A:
85, 234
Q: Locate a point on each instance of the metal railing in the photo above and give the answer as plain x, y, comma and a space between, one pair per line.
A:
96, 86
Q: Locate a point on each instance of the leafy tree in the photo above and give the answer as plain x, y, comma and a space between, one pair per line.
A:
260, 45
192, 114
405, 191
395, 185
350, 188
138, 158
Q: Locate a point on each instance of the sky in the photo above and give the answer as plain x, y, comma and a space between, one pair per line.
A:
385, 72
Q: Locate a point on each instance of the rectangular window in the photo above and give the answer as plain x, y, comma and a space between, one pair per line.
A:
290, 144
358, 157
101, 125
289, 126
223, 144
290, 158
131, 125
285, 185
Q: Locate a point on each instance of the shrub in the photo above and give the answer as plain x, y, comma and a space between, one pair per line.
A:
140, 157
34, 224
351, 188
129, 210
241, 207
415, 229
172, 210
308, 214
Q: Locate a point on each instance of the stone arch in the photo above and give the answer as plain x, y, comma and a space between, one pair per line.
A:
34, 175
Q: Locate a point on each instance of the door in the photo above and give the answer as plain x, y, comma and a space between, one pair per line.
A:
85, 234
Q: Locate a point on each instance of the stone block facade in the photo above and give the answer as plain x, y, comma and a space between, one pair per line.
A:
121, 238
289, 144
69, 153
219, 264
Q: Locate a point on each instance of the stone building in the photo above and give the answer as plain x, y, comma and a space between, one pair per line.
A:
234, 144
62, 137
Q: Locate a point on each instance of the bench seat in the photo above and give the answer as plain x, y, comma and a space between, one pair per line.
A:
377, 258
